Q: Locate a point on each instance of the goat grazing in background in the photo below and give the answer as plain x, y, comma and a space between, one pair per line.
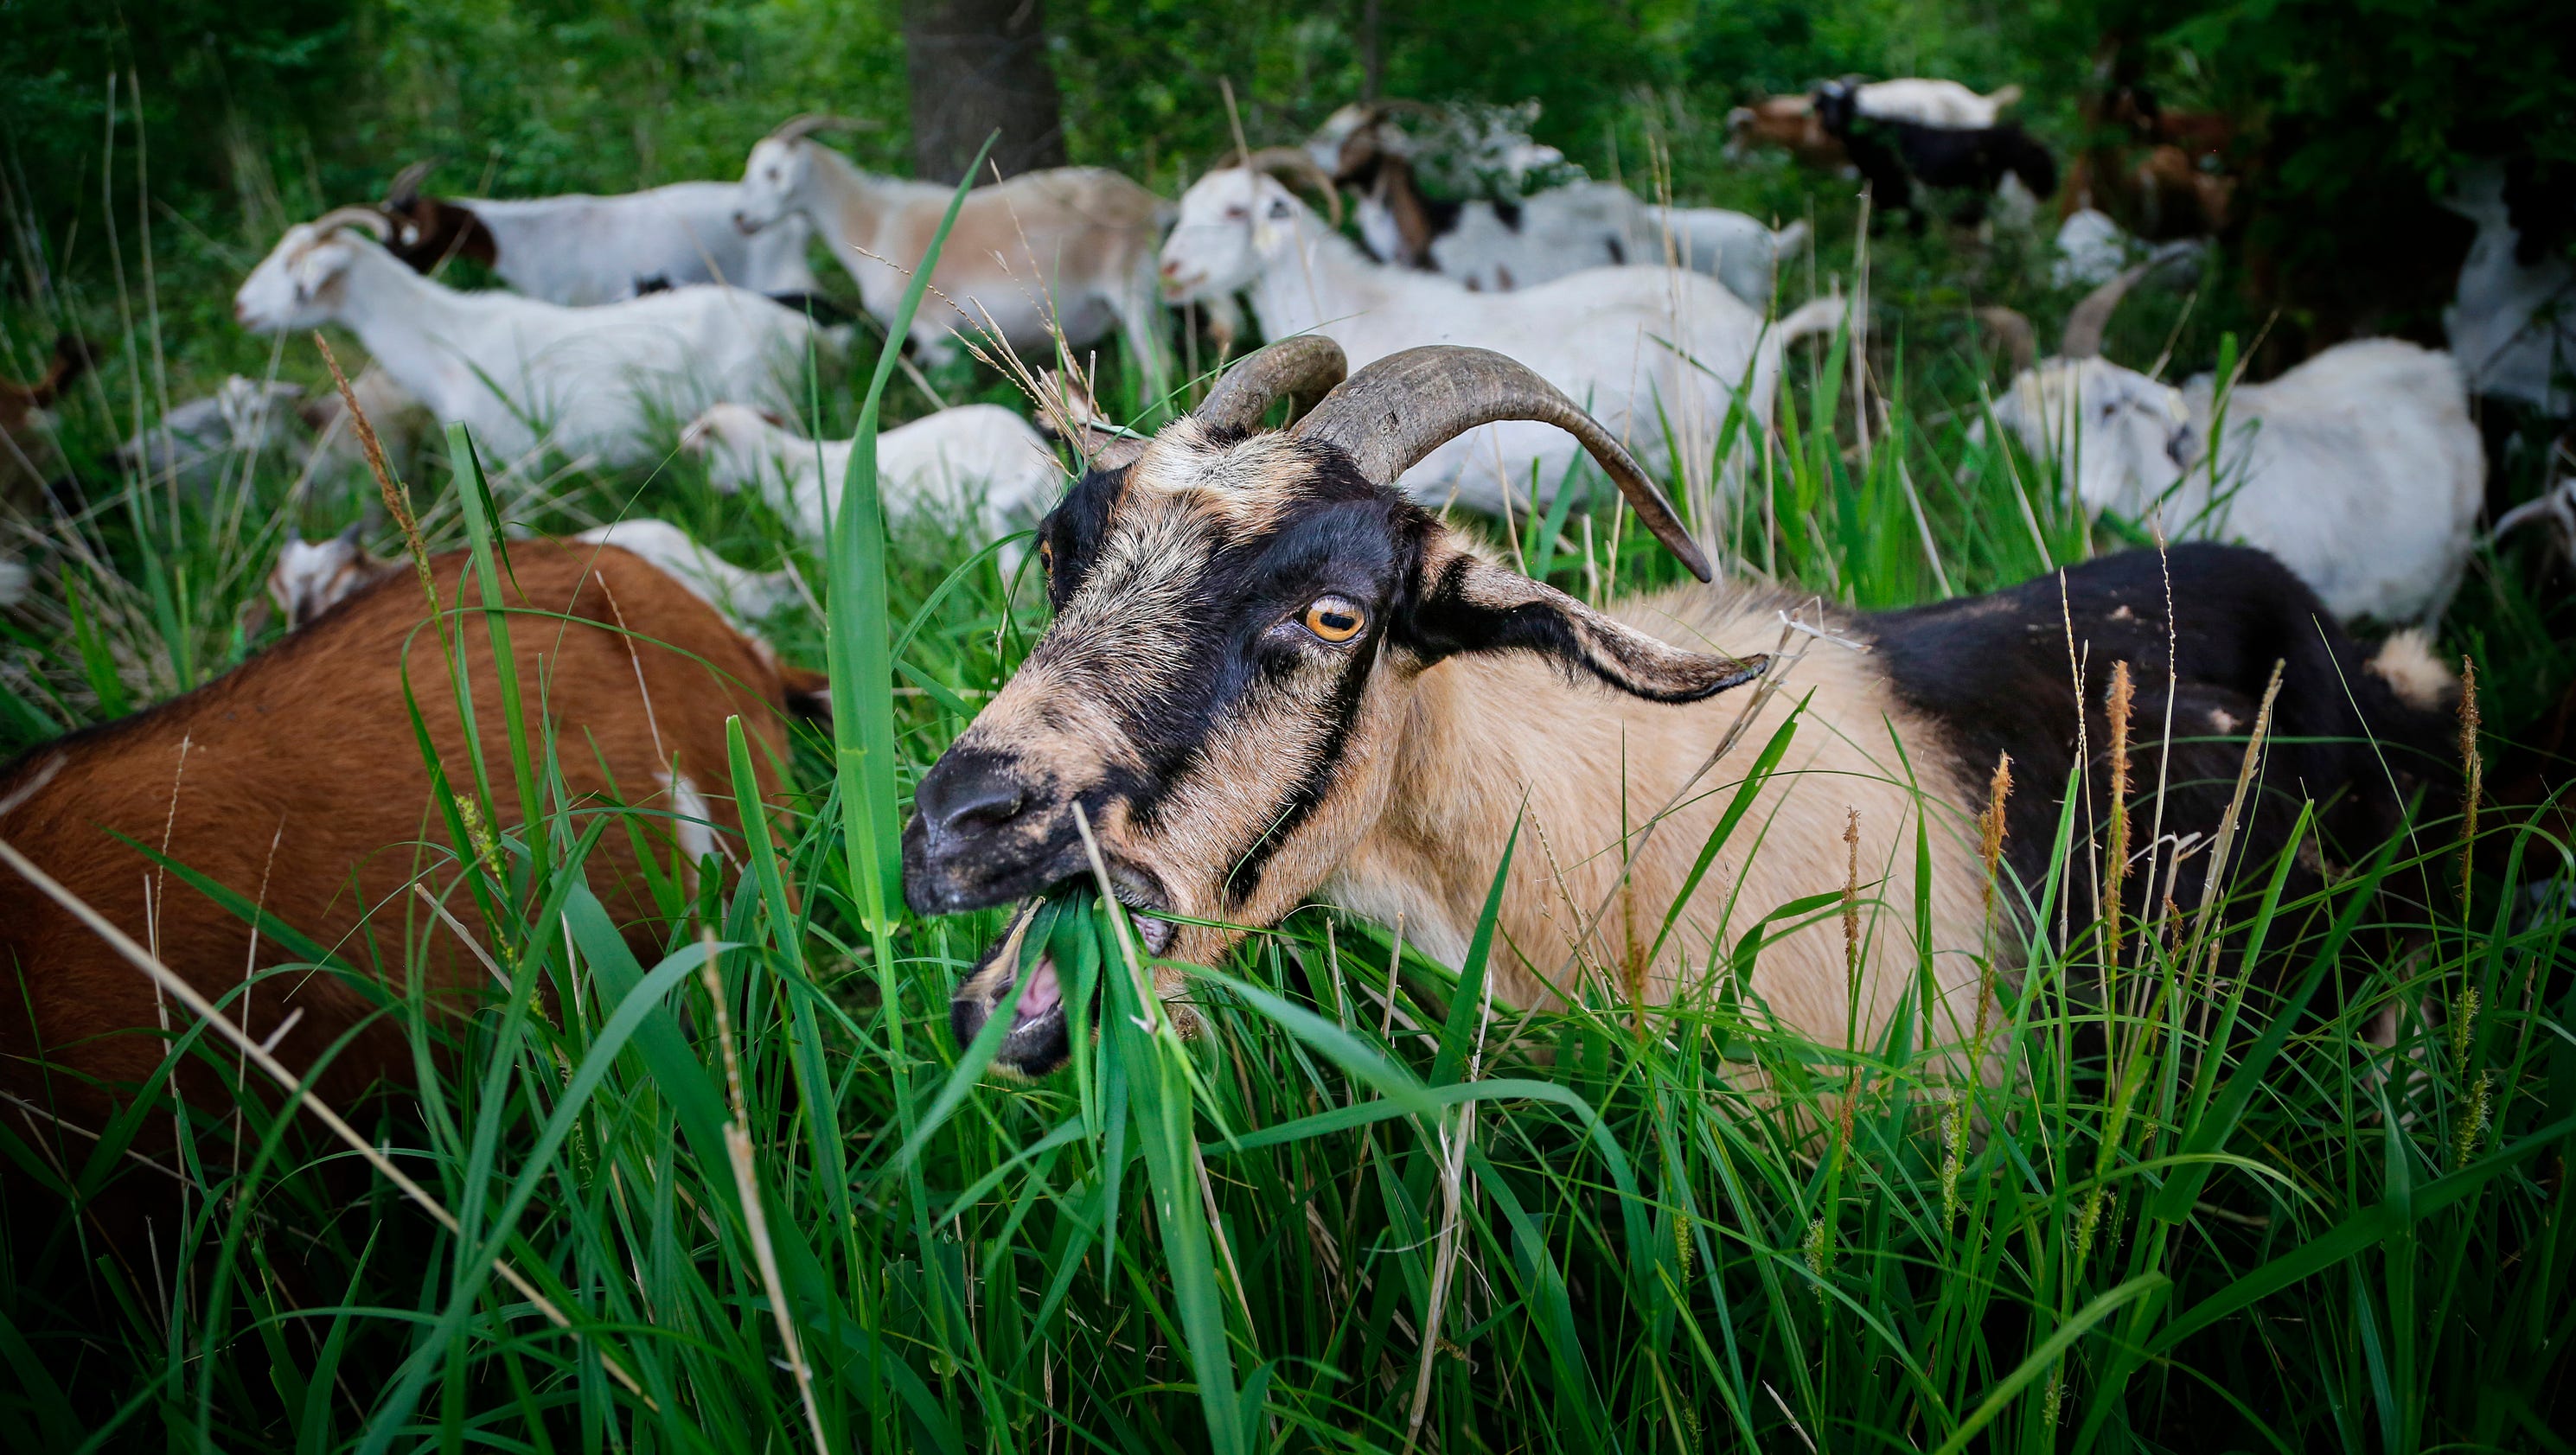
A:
2359, 469
1647, 348
1069, 249
296, 782
1271, 676
578, 249
1893, 153
606, 382
978, 458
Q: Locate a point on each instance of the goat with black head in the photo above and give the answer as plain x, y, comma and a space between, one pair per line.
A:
1892, 155
1270, 676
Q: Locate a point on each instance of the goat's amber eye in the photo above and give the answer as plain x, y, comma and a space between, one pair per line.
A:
1335, 618
1046, 559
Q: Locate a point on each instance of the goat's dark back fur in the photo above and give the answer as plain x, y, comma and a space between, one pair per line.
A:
1999, 671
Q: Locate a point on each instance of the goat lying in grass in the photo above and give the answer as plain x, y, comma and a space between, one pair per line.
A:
1271, 676
2359, 469
202, 439
975, 456
296, 783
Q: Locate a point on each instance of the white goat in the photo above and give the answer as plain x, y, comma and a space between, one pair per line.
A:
978, 458
2513, 327
524, 373
2359, 469
1640, 347
1069, 248
1927, 102
579, 249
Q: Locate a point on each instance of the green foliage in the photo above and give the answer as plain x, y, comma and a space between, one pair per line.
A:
2253, 1230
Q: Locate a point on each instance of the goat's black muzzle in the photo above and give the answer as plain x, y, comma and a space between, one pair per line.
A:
984, 833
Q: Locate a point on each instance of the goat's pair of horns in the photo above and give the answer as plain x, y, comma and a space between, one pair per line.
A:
361, 217
1390, 415
797, 128
1293, 160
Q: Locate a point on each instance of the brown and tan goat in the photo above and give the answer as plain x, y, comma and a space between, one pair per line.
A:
1066, 251
295, 781
1271, 677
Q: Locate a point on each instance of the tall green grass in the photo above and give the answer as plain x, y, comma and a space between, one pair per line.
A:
773, 1207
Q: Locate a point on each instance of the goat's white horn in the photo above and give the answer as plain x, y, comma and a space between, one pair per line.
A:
360, 217
1294, 160
406, 184
796, 128
1389, 415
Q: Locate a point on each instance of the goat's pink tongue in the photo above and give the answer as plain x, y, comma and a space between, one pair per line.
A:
1041, 993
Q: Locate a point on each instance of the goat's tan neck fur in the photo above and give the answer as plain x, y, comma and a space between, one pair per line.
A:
1486, 735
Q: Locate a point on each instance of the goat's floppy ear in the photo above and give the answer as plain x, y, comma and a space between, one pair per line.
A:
1465, 603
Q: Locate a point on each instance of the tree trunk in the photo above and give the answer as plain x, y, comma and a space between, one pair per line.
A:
977, 66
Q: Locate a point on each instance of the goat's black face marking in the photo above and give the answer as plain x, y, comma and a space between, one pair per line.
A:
1218, 620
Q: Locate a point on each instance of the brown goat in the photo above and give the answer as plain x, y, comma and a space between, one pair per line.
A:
296, 782
28, 457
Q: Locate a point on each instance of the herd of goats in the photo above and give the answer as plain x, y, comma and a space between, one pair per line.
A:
1274, 671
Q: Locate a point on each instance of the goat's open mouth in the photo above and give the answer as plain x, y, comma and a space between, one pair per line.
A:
1039, 1037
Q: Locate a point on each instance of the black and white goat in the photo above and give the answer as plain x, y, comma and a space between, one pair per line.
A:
1893, 154
1270, 676
578, 249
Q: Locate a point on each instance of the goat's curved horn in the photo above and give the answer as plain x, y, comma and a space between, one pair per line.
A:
1295, 161
1304, 368
363, 217
799, 127
406, 184
2020, 340
1389, 415
2558, 503
2084, 326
